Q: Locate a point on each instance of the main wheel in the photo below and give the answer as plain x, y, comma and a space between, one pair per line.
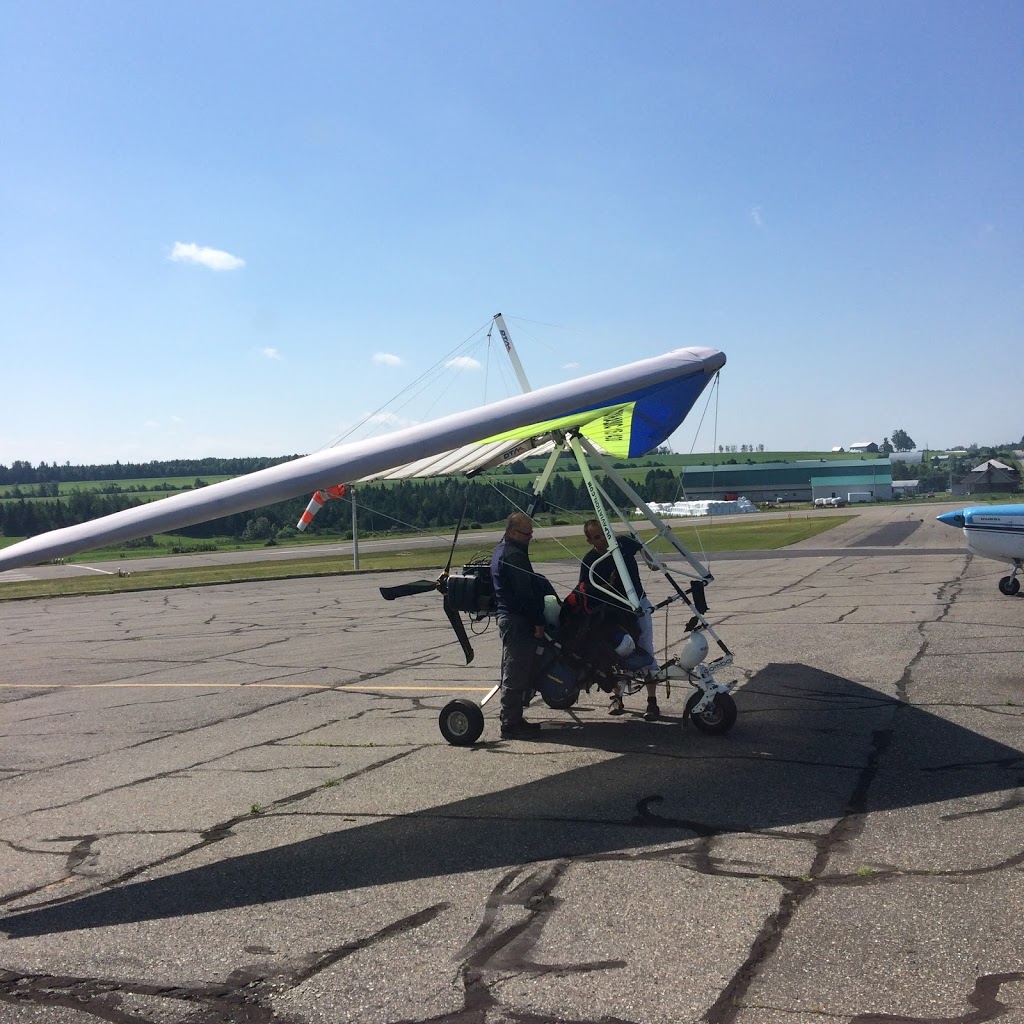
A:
563, 701
1009, 585
461, 722
718, 717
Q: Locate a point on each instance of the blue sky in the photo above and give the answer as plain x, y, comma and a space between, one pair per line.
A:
831, 193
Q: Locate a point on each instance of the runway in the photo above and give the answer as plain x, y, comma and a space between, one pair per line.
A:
232, 804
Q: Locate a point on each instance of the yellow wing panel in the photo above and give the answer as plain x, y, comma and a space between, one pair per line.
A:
608, 427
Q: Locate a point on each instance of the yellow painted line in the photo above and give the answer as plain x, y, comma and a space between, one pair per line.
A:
247, 686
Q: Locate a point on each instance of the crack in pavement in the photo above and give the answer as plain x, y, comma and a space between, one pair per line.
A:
213, 834
984, 997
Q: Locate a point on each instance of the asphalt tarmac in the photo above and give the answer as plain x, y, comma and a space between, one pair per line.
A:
232, 805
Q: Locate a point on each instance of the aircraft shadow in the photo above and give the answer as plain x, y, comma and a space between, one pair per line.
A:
808, 748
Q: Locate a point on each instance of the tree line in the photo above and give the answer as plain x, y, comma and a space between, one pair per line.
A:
21, 472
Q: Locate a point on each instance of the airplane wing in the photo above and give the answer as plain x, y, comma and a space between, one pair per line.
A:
627, 411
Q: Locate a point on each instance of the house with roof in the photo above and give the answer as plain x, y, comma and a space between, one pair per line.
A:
864, 446
905, 488
992, 475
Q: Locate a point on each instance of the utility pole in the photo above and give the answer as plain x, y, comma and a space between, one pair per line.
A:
355, 528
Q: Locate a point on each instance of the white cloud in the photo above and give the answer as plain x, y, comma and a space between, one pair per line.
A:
570, 366
463, 363
387, 359
755, 216
151, 423
214, 259
390, 419
270, 353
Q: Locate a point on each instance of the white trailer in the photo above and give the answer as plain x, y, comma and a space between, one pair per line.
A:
859, 496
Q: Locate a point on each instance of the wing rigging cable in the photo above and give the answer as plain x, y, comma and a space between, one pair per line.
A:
414, 388
447, 463
681, 486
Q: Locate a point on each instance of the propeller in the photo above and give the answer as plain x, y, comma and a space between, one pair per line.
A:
415, 587
441, 584
425, 586
460, 629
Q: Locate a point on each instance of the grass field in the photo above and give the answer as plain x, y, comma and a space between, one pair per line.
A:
709, 538
144, 489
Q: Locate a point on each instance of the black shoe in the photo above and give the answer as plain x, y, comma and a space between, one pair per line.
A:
653, 712
521, 728
616, 708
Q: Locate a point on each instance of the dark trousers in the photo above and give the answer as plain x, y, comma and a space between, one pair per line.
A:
518, 653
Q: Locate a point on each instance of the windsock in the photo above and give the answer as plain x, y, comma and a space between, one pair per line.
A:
337, 491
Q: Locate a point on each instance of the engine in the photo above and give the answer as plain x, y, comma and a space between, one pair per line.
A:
473, 590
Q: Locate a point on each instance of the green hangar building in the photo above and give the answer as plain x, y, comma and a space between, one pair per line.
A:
869, 479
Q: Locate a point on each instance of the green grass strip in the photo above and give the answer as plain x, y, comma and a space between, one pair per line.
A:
709, 537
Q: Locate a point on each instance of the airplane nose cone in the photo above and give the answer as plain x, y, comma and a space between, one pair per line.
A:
952, 518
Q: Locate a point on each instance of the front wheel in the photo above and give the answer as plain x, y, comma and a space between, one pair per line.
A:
461, 722
561, 701
1009, 585
718, 717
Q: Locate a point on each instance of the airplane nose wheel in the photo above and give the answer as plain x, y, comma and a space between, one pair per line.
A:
1009, 585
461, 722
718, 717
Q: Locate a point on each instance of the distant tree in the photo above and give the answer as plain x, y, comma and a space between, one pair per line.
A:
886, 447
721, 447
902, 441
260, 528
760, 447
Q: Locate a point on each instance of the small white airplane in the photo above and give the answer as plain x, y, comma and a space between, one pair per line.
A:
994, 531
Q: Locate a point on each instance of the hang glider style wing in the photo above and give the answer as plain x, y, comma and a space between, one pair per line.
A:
627, 411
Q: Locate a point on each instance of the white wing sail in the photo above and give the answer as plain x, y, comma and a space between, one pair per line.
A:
629, 407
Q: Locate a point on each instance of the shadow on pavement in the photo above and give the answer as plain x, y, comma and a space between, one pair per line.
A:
808, 747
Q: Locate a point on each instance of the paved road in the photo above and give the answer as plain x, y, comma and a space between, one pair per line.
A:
232, 805
82, 566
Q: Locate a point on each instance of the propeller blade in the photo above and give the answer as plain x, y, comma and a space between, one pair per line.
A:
455, 539
460, 629
408, 589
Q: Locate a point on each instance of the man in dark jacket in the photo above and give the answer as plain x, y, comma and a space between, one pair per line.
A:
519, 594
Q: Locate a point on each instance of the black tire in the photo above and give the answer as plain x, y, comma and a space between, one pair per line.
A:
461, 722
561, 703
718, 717
1009, 585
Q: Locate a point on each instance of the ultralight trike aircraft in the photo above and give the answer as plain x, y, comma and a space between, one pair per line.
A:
619, 413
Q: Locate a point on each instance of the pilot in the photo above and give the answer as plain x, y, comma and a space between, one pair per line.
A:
519, 594
608, 576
